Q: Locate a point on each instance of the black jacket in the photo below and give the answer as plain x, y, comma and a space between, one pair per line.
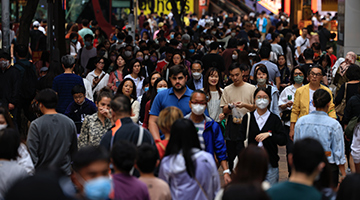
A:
128, 131
273, 125
191, 85
9, 86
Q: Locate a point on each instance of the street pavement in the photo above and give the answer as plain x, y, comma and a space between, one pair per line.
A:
283, 171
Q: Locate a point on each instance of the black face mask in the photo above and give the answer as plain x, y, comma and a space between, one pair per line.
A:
102, 53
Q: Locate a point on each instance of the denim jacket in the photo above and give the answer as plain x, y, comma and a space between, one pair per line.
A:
326, 130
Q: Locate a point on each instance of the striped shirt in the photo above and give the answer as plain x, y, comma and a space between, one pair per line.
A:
201, 127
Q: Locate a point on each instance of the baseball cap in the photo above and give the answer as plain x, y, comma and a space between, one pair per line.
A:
36, 23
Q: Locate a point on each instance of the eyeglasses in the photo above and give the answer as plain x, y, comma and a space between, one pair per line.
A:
201, 103
315, 74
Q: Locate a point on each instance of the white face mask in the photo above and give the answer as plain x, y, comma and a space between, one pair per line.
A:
196, 75
3, 126
198, 109
261, 81
234, 57
262, 103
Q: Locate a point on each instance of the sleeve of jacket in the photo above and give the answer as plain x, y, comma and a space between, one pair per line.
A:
84, 134
33, 143
295, 111
279, 135
69, 110
219, 142
105, 140
15, 94
337, 145
332, 112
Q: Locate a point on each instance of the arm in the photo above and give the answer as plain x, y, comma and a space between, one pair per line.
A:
153, 128
292, 131
33, 143
84, 134
277, 81
332, 112
325, 80
73, 147
338, 148
135, 111
340, 95
220, 151
224, 103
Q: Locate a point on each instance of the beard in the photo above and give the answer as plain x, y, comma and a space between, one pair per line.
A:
179, 89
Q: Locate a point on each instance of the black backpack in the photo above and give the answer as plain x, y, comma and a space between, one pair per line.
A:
28, 82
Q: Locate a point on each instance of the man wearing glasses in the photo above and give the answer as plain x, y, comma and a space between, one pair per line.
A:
304, 97
209, 132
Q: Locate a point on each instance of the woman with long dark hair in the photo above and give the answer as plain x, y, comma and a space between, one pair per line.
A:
136, 75
190, 172
118, 74
128, 88
284, 72
212, 89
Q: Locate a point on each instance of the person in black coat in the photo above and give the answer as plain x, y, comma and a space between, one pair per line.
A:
196, 82
265, 130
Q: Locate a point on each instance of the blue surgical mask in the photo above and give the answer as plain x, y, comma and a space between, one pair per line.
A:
74, 40
171, 36
87, 43
198, 26
146, 89
98, 188
192, 51
161, 89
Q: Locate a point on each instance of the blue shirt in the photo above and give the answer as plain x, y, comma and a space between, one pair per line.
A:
168, 98
63, 84
198, 83
318, 125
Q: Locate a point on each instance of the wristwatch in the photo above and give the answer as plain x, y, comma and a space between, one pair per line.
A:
227, 171
270, 134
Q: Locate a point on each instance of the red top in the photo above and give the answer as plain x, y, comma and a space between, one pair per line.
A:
161, 146
146, 117
160, 65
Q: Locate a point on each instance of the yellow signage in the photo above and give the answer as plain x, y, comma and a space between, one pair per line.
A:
163, 6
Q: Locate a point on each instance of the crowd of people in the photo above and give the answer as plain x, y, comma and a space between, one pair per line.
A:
156, 116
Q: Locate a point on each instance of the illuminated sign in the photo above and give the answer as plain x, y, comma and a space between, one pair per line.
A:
163, 6
271, 5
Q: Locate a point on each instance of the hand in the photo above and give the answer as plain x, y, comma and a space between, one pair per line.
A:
289, 104
239, 104
262, 136
291, 134
283, 85
347, 139
110, 85
221, 116
11, 106
96, 81
227, 178
105, 112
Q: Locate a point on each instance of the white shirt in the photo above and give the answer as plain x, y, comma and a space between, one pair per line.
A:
89, 93
103, 83
138, 82
298, 42
311, 106
261, 119
289, 91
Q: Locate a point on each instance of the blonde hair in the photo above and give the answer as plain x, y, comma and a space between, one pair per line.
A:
167, 117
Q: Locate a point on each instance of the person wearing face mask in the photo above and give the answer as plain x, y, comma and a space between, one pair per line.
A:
209, 132
80, 107
262, 80
87, 52
101, 50
90, 173
213, 59
9, 84
286, 100
265, 130
75, 45
196, 81
126, 186
119, 42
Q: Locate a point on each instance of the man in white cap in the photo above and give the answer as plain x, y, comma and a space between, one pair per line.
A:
38, 39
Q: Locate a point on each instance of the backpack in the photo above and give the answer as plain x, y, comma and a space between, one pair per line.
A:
28, 82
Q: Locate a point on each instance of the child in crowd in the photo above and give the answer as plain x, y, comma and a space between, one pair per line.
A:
80, 107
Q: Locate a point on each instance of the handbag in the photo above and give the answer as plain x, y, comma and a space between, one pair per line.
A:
285, 115
341, 107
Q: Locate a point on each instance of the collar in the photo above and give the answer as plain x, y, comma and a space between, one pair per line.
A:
187, 92
93, 73
207, 119
263, 116
315, 112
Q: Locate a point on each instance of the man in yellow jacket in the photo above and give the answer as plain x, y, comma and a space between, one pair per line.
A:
304, 97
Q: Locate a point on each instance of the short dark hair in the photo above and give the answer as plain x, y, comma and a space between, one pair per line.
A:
214, 46
22, 50
85, 22
47, 97
321, 98
263, 69
198, 62
353, 72
267, 91
121, 104
307, 155
78, 89
234, 66
9, 144
87, 155
5, 55
244, 67
170, 50
72, 35
177, 69
199, 92
79, 70
274, 36
265, 52
349, 188
104, 92
123, 155
247, 190
308, 54
88, 36
146, 158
